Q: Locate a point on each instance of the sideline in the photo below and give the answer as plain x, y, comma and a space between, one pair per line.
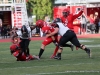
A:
42, 38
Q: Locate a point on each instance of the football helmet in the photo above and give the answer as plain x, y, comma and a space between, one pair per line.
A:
15, 40
57, 20
13, 47
66, 12
40, 23
24, 29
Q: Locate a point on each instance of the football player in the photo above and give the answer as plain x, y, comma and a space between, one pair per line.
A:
67, 35
16, 51
48, 29
68, 18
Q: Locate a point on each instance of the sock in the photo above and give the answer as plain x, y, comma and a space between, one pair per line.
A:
41, 52
28, 51
59, 54
55, 51
86, 49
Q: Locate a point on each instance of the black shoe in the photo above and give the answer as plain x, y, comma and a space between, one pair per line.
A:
72, 47
89, 52
58, 58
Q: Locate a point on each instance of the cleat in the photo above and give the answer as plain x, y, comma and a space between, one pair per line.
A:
27, 57
89, 52
36, 57
58, 58
52, 56
72, 47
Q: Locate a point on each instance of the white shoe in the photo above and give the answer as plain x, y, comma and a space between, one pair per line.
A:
36, 57
27, 57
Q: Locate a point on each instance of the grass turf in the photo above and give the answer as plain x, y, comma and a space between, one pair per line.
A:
74, 62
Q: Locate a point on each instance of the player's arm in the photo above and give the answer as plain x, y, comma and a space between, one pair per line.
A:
77, 15
54, 32
15, 38
53, 38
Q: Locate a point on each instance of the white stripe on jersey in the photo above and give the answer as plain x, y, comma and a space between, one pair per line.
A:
62, 28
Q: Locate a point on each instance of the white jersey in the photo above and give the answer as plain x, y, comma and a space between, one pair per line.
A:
62, 28
19, 33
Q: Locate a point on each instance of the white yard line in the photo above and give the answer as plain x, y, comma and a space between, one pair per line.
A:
82, 71
47, 66
86, 40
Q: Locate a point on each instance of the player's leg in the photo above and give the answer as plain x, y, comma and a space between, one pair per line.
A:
19, 57
56, 49
55, 52
27, 47
64, 45
63, 40
23, 57
41, 50
83, 47
68, 45
22, 45
44, 43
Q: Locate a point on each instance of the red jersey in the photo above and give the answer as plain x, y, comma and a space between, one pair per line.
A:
69, 19
15, 51
46, 29
48, 40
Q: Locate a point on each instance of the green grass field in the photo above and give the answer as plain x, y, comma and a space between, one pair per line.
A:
74, 62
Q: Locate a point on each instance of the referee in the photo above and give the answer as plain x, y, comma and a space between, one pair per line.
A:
25, 35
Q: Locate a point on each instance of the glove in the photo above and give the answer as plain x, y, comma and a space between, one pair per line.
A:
55, 43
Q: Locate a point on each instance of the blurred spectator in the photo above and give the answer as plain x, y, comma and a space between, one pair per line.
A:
92, 25
37, 30
0, 22
91, 19
83, 24
96, 20
33, 30
0, 29
99, 25
4, 32
13, 31
8, 30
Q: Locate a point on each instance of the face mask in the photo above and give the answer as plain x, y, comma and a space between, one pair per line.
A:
65, 13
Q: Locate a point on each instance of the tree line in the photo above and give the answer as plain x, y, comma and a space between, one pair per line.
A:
40, 8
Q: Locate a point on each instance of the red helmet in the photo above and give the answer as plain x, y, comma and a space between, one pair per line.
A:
13, 47
40, 23
66, 10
